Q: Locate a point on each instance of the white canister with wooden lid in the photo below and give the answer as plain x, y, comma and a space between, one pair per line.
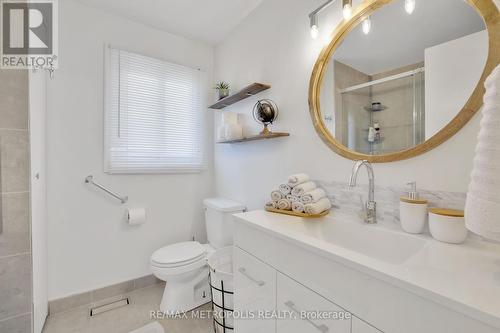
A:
413, 211
447, 225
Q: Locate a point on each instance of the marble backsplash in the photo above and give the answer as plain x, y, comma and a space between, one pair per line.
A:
350, 200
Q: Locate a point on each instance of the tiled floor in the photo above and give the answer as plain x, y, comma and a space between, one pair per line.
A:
128, 318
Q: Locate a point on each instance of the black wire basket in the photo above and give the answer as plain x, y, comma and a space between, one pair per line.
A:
221, 288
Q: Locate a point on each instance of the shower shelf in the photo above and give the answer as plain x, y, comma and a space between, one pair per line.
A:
377, 141
370, 109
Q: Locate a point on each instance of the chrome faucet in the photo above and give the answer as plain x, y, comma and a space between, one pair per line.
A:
370, 212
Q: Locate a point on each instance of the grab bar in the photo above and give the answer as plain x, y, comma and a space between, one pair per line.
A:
90, 180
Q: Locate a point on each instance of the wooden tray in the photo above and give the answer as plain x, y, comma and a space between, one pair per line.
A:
292, 213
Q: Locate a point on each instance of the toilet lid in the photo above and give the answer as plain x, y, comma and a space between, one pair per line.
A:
178, 253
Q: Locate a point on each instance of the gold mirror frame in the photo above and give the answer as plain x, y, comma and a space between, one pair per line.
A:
490, 14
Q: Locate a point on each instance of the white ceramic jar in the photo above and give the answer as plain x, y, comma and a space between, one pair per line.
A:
447, 225
233, 132
413, 215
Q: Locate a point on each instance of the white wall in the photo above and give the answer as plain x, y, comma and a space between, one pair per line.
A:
90, 246
38, 174
452, 70
273, 45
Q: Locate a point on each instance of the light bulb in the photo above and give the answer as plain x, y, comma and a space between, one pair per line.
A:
409, 6
347, 11
314, 31
366, 25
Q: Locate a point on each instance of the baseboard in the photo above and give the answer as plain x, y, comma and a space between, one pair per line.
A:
97, 296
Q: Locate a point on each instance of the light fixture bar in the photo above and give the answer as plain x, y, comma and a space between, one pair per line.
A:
321, 8
313, 18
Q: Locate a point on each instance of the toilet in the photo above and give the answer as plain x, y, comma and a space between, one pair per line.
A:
183, 266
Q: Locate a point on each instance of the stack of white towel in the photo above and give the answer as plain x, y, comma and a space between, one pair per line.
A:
300, 195
482, 210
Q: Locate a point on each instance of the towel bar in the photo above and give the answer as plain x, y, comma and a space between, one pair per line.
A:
90, 180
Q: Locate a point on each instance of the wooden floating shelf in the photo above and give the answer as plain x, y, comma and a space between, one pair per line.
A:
271, 135
246, 92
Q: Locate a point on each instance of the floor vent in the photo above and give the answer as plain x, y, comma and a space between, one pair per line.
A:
110, 306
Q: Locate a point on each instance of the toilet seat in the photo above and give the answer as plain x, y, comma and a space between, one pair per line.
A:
179, 255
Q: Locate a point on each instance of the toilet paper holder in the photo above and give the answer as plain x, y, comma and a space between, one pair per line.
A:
90, 180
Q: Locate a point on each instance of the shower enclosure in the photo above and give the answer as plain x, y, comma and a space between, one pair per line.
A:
385, 114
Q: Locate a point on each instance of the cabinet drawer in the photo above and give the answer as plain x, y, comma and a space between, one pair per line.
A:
311, 312
255, 292
359, 326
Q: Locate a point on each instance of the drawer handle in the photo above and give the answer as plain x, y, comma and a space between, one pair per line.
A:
243, 271
322, 328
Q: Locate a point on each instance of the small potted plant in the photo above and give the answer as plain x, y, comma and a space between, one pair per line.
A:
223, 88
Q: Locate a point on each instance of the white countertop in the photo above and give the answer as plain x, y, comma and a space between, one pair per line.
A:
465, 277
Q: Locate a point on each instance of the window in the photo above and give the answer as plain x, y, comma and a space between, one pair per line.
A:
153, 115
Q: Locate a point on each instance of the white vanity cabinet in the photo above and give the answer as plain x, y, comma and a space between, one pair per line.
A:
309, 312
255, 283
280, 304
285, 264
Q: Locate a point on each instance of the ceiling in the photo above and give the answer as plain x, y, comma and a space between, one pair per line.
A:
202, 20
397, 39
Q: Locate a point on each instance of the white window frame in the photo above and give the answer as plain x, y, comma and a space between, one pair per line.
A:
107, 136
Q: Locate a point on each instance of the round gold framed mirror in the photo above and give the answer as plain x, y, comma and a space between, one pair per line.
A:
393, 84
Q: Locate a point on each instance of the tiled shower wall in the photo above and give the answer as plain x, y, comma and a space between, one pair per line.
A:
15, 244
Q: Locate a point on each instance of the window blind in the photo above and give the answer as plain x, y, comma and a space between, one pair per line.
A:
153, 115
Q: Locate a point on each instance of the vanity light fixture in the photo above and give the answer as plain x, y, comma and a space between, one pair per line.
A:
313, 18
314, 26
366, 25
347, 9
409, 6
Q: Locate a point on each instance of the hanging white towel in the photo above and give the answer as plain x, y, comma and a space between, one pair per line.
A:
298, 207
313, 196
285, 189
284, 204
482, 208
297, 179
318, 207
276, 196
301, 189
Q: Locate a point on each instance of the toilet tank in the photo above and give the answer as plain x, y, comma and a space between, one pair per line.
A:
219, 220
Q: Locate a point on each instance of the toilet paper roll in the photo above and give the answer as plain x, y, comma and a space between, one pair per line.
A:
136, 216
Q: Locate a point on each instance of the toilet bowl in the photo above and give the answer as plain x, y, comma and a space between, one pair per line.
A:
183, 266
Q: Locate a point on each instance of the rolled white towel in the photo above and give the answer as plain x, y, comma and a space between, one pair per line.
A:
293, 198
297, 179
318, 207
298, 207
301, 189
313, 196
276, 195
271, 204
285, 189
284, 204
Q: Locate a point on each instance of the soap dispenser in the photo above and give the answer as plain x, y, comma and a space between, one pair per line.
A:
413, 211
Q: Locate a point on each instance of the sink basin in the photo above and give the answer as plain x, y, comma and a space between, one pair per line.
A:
386, 245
